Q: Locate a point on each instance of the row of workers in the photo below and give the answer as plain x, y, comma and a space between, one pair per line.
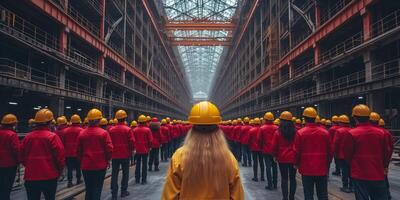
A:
362, 152
88, 147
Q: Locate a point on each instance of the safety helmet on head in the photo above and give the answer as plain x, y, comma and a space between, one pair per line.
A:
62, 120
277, 121
9, 119
121, 114
317, 119
257, 121
361, 110
31, 121
148, 118
323, 121
142, 119
298, 121
111, 121
86, 120
246, 119
335, 118
103, 122
44, 116
204, 113
344, 119
234, 122
294, 119
374, 117
310, 112
251, 122
94, 114
269, 116
133, 123
168, 119
75, 119
286, 115
328, 122
164, 121
381, 122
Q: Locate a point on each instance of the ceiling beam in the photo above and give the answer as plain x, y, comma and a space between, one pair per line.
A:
200, 43
190, 25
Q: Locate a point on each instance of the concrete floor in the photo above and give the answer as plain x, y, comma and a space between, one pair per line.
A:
253, 190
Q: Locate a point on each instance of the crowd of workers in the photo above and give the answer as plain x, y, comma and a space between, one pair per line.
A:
361, 153
89, 148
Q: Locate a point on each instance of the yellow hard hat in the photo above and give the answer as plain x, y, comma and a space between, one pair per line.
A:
75, 119
164, 121
53, 121
121, 114
246, 119
85, 121
61, 120
257, 121
44, 116
323, 121
361, 110
234, 122
269, 116
277, 121
381, 122
328, 122
142, 119
317, 119
204, 113
335, 118
148, 118
310, 112
298, 121
239, 120
286, 115
168, 119
94, 114
133, 123
111, 121
344, 119
374, 117
31, 121
103, 122
9, 119
251, 122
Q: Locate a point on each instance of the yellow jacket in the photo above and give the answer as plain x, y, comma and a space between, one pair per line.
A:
175, 189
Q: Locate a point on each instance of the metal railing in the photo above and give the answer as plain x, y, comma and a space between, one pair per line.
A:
332, 11
82, 59
387, 23
112, 74
342, 47
80, 19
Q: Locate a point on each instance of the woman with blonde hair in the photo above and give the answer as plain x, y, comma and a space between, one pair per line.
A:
204, 167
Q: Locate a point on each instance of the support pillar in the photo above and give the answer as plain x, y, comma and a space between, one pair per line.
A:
57, 106
317, 54
62, 77
369, 62
101, 63
123, 73
376, 101
367, 23
317, 15
291, 71
102, 18
63, 40
317, 80
99, 88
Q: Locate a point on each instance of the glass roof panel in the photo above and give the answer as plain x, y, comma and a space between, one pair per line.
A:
200, 61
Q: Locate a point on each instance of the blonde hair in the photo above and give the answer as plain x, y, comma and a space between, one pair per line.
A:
206, 160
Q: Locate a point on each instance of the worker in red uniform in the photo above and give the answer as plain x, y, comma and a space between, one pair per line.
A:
143, 138
376, 121
298, 124
123, 142
42, 154
366, 150
9, 151
244, 141
155, 144
237, 130
164, 135
332, 131
103, 123
94, 151
341, 132
256, 149
267, 132
170, 138
70, 140
62, 124
283, 151
313, 156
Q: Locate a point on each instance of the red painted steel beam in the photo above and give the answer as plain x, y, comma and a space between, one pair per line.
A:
339, 19
61, 17
154, 22
189, 25
200, 43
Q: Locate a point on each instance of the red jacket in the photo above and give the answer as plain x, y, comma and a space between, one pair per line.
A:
70, 140
297, 126
244, 137
60, 131
174, 131
313, 150
164, 134
95, 148
283, 149
266, 137
340, 134
389, 140
9, 148
366, 150
143, 138
156, 141
42, 154
332, 131
122, 140
237, 130
254, 138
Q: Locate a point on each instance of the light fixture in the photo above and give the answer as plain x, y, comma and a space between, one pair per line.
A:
360, 97
79, 109
12, 103
316, 105
41, 62
36, 108
302, 107
68, 107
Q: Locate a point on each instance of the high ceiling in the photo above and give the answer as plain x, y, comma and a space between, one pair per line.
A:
200, 47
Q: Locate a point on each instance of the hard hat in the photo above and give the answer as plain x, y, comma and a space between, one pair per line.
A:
133, 123
361, 110
277, 121
269, 116
148, 118
61, 120
257, 121
246, 119
164, 121
328, 122
85, 121
251, 122
204, 113
155, 119
9, 119
229, 122
317, 119
310, 112
142, 119
111, 121
234, 122
381, 122
298, 121
121, 114
343, 119
53, 121
168, 119
294, 119
239, 120
31, 121
44, 116
335, 118
94, 114
286, 115
374, 117
103, 122
75, 119
323, 121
